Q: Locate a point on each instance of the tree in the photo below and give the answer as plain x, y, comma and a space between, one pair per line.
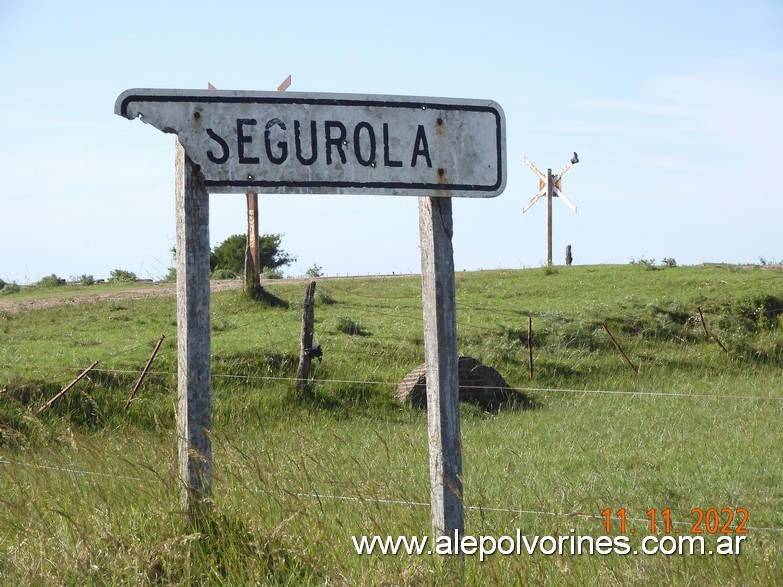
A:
230, 254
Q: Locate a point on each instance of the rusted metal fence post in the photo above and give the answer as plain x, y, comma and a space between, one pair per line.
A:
144, 372
530, 346
703, 323
706, 332
65, 389
617, 346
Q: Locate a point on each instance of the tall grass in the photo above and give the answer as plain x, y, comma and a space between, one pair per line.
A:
89, 493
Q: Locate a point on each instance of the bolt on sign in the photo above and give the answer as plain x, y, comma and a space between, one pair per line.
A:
270, 142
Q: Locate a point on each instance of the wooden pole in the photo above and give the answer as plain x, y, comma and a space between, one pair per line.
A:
252, 258
65, 389
193, 336
252, 268
549, 191
144, 372
306, 342
440, 346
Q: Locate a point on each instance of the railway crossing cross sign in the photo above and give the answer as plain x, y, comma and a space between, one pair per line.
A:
551, 186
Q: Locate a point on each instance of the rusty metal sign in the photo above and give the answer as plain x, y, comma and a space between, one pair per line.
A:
273, 142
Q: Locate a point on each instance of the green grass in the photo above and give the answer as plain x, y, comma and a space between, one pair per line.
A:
89, 494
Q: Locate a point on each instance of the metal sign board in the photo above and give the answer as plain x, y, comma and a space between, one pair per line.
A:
273, 142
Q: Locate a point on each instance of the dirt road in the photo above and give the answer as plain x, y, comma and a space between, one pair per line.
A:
137, 291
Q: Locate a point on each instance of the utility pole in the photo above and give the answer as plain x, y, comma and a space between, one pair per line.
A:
252, 254
551, 186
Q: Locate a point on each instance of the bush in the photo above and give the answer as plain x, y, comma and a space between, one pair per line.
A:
122, 276
646, 263
324, 295
85, 279
9, 288
218, 274
314, 271
669, 262
348, 326
51, 281
272, 273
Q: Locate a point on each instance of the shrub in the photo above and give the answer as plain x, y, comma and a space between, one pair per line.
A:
669, 262
314, 271
646, 263
216, 274
122, 276
324, 295
268, 273
51, 281
9, 288
348, 326
85, 279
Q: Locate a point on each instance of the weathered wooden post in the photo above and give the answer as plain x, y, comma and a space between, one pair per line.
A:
306, 340
440, 348
252, 275
252, 268
194, 366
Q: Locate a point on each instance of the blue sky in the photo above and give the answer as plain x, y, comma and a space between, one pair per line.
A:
673, 107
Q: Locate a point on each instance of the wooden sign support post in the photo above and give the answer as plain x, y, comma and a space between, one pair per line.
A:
194, 367
440, 348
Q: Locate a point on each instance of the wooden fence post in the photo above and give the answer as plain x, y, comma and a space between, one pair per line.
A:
194, 367
440, 346
306, 342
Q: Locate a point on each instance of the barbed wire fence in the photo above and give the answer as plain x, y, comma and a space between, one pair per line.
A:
398, 310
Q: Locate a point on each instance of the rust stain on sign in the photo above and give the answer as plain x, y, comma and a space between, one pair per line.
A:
275, 142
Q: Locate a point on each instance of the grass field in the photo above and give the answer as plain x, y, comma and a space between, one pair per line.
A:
89, 494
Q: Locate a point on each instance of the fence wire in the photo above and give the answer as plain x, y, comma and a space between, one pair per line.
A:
411, 312
376, 500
